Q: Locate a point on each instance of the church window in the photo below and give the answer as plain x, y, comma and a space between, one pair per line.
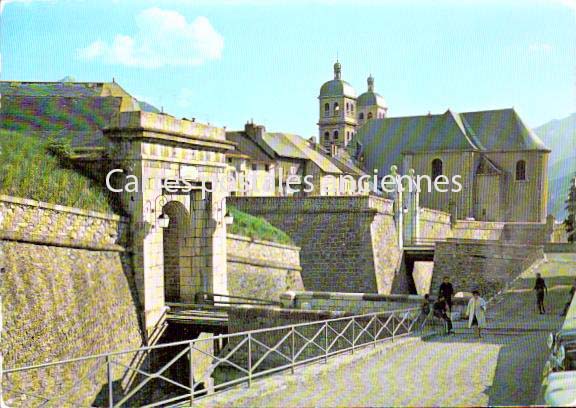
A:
521, 170
335, 135
254, 167
326, 109
369, 115
352, 107
326, 135
361, 116
336, 108
436, 168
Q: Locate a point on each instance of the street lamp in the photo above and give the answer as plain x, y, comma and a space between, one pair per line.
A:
163, 220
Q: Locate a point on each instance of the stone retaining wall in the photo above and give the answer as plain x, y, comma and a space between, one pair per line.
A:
348, 244
483, 265
68, 291
434, 224
262, 269
490, 231
37, 222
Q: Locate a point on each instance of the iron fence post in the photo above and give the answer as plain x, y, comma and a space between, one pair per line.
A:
353, 333
393, 325
191, 368
249, 360
326, 343
110, 376
293, 348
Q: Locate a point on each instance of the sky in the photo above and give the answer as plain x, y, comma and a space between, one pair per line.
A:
227, 62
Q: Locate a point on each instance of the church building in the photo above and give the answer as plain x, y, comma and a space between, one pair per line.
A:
502, 163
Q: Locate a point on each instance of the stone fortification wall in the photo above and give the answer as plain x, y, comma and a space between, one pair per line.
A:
67, 291
355, 303
348, 244
491, 231
262, 269
434, 224
484, 265
526, 233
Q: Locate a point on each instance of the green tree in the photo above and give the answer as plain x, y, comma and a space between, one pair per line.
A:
571, 208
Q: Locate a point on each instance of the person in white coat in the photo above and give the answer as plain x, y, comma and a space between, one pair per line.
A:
476, 312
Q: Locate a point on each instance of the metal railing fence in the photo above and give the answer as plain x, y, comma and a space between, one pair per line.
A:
180, 372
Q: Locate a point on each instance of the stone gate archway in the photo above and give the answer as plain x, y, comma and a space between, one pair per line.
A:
176, 253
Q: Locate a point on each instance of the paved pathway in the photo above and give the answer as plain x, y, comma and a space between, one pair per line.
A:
502, 368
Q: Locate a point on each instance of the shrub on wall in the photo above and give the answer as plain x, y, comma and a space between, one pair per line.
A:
256, 228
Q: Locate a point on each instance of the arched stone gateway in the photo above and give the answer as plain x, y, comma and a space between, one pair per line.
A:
172, 262
176, 253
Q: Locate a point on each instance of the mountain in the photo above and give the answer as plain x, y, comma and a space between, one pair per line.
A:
560, 136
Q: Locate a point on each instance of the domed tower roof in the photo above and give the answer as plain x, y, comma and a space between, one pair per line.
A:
371, 98
337, 87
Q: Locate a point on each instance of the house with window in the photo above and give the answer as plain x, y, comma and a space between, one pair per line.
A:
501, 163
285, 160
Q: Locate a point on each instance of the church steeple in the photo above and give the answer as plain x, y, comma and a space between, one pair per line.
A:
337, 113
370, 83
337, 70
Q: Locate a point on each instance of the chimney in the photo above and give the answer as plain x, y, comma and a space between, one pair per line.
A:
254, 132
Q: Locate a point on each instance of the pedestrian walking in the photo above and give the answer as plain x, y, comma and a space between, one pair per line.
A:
570, 299
541, 289
446, 291
424, 309
476, 312
440, 309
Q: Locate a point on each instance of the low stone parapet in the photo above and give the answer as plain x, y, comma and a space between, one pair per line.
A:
262, 269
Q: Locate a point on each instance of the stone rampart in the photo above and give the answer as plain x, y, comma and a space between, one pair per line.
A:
262, 269
348, 244
482, 230
484, 265
68, 291
434, 224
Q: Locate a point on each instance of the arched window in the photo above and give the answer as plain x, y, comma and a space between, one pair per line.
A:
352, 107
369, 115
326, 109
361, 116
336, 108
326, 136
335, 135
520, 170
347, 107
436, 168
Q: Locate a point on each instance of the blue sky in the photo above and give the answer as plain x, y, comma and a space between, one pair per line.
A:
226, 61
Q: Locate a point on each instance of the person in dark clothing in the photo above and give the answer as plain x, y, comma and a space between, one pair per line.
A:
425, 307
541, 289
446, 291
570, 299
440, 309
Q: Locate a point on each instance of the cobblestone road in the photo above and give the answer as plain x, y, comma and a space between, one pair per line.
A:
502, 368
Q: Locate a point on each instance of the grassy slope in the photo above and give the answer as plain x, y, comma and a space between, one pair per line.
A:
256, 228
27, 170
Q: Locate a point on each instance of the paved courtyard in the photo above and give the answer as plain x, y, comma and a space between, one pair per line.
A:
502, 368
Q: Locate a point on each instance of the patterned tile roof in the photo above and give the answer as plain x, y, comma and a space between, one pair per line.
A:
383, 141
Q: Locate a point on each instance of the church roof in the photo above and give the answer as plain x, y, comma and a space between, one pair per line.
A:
337, 87
370, 98
382, 142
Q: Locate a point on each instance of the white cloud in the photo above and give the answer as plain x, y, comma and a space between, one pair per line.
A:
163, 38
4, 3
